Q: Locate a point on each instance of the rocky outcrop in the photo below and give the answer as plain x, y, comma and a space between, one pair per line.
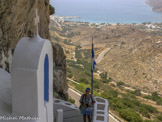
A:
60, 82
17, 21
52, 9
156, 4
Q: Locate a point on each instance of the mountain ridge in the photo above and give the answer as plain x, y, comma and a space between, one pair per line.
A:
156, 4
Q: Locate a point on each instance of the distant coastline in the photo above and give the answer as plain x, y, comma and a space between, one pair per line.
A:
63, 19
155, 4
112, 12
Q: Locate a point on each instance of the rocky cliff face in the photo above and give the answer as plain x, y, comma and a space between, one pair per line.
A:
60, 82
17, 21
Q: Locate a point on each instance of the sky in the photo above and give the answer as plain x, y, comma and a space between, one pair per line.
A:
123, 11
90, 5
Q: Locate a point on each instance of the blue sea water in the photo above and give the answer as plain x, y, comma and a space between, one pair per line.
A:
107, 11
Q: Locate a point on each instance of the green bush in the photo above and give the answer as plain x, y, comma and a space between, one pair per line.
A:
159, 102
154, 97
137, 92
159, 118
72, 100
103, 75
147, 97
120, 83
136, 102
106, 80
127, 102
81, 87
70, 75
96, 84
96, 93
109, 94
87, 72
129, 95
148, 120
84, 80
130, 115
120, 105
144, 112
113, 93
148, 108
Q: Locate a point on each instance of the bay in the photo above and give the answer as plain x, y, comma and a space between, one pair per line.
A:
107, 11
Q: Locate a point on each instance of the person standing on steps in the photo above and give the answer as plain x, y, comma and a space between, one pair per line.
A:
86, 105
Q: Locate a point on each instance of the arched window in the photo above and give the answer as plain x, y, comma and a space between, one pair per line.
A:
46, 79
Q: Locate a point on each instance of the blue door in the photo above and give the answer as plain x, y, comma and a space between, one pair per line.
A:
46, 79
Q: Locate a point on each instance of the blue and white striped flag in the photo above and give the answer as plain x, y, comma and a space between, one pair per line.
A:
93, 58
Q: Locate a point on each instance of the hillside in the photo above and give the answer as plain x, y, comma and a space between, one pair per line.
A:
156, 4
135, 55
115, 44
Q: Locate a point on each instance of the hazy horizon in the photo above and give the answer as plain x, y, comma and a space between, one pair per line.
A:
113, 11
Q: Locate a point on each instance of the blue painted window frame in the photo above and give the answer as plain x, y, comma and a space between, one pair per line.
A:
46, 79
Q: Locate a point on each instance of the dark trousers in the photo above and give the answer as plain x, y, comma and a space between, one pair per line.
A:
85, 116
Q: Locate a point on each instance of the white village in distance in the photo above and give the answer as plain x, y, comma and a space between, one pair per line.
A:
26, 95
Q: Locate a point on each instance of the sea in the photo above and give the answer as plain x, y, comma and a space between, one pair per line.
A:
107, 11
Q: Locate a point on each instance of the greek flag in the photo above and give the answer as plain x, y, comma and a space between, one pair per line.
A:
93, 58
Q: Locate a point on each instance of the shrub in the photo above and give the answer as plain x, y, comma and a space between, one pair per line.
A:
106, 80
144, 112
159, 102
70, 75
155, 96
148, 120
120, 83
72, 100
147, 97
137, 92
130, 115
136, 102
88, 73
113, 93
129, 95
148, 108
103, 75
120, 105
96, 84
95, 93
81, 87
127, 102
84, 80
159, 118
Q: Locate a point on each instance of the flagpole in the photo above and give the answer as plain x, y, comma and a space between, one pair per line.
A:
92, 82
92, 71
